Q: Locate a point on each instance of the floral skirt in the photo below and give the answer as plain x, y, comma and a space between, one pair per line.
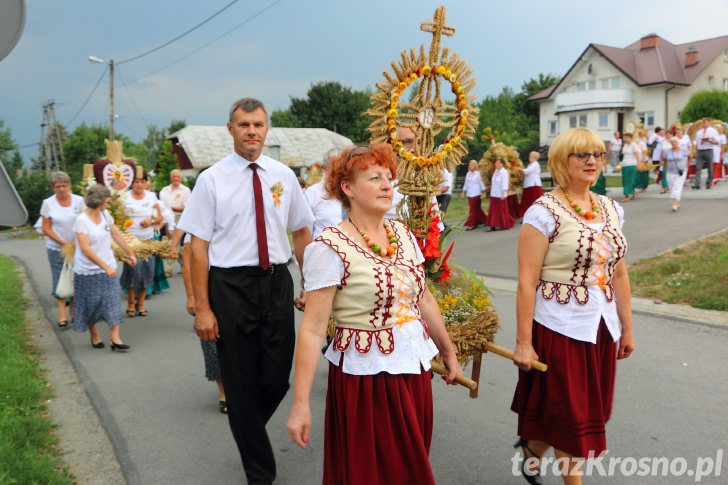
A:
96, 297
56, 261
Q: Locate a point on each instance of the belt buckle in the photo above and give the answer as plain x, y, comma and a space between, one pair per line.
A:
271, 269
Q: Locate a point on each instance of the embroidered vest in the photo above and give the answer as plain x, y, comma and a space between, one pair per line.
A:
363, 306
574, 249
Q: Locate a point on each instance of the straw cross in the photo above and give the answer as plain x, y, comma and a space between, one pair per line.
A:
437, 27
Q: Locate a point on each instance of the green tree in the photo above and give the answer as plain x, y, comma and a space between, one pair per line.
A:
84, 145
329, 105
7, 143
710, 104
165, 164
32, 189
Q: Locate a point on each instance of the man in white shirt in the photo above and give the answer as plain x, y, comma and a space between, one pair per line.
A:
705, 139
237, 215
443, 199
175, 196
327, 211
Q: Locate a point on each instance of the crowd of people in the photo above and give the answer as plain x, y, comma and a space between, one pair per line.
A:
349, 250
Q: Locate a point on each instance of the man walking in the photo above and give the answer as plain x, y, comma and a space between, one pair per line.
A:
705, 139
237, 216
175, 195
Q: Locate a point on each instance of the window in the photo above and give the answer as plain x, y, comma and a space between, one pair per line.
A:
609, 83
725, 84
581, 86
647, 118
577, 121
592, 85
552, 127
604, 84
710, 83
603, 120
615, 82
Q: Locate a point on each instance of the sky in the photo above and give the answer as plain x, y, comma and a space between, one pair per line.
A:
276, 49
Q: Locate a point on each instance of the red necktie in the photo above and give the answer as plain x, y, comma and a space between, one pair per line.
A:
263, 260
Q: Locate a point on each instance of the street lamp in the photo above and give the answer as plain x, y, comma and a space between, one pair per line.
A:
111, 92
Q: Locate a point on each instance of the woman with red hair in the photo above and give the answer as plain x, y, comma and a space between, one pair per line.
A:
368, 271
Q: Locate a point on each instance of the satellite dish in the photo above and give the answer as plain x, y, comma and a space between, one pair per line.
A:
12, 21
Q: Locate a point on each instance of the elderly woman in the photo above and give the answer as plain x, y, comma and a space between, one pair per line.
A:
573, 310
367, 269
676, 167
143, 210
473, 188
59, 212
95, 281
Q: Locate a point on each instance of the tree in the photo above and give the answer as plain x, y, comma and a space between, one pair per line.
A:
32, 189
165, 164
329, 105
84, 145
710, 104
7, 143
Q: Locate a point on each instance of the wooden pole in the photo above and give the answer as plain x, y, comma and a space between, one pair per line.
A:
504, 352
460, 379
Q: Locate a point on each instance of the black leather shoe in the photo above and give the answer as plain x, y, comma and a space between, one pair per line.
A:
99, 345
120, 347
531, 477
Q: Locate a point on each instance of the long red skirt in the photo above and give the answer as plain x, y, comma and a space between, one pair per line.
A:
530, 195
568, 406
513, 206
476, 216
498, 214
378, 429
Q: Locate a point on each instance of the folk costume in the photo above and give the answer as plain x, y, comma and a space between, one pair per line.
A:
532, 188
499, 216
379, 388
473, 188
575, 330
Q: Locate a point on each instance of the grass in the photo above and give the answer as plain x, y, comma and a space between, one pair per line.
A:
28, 447
693, 275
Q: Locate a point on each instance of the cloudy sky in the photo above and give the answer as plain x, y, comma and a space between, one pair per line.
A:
275, 49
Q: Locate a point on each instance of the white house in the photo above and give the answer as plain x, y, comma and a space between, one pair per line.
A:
607, 89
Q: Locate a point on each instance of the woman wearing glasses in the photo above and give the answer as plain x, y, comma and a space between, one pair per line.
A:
367, 269
573, 310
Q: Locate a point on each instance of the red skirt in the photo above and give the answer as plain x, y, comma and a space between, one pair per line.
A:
513, 206
476, 216
568, 405
498, 214
530, 195
378, 428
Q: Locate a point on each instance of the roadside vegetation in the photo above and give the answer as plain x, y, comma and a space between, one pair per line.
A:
28, 447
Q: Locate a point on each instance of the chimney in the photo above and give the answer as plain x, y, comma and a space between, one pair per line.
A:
691, 56
650, 40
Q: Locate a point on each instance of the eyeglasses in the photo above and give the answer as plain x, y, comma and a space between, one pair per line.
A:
584, 156
359, 150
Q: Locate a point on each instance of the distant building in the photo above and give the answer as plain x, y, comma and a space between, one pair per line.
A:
609, 89
198, 146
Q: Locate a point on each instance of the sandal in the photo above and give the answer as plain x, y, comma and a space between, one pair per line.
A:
142, 313
130, 313
531, 477
223, 407
626, 199
63, 324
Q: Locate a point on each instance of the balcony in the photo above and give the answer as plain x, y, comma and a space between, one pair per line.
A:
595, 99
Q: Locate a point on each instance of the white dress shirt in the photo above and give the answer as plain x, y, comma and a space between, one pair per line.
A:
175, 197
221, 210
449, 181
532, 175
702, 137
326, 212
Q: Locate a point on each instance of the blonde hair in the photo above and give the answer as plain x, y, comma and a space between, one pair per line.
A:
535, 155
571, 141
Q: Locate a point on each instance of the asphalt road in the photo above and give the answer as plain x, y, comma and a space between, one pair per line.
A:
161, 414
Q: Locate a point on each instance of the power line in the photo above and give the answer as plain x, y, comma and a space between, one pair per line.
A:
179, 36
129, 94
89, 97
211, 42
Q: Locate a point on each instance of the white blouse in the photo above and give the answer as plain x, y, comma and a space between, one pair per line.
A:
324, 268
141, 210
573, 319
62, 218
473, 185
499, 183
99, 238
532, 175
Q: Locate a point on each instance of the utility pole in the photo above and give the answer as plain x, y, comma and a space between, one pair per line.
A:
111, 100
51, 146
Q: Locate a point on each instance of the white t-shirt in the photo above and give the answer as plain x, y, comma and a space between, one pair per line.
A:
141, 210
577, 321
324, 268
532, 175
326, 212
62, 218
629, 154
221, 210
99, 237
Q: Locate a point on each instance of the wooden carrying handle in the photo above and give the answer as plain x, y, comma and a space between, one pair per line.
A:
460, 379
504, 352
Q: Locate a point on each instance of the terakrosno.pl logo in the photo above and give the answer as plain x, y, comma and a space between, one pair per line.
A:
646, 466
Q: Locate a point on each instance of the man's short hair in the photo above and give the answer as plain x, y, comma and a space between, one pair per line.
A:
248, 105
176, 170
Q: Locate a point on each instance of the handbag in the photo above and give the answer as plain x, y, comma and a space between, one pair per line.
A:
64, 288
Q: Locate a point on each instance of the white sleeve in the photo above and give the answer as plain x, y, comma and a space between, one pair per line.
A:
540, 218
79, 226
322, 267
45, 209
198, 217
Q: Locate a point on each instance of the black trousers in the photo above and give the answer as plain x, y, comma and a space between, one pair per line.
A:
254, 311
443, 200
704, 159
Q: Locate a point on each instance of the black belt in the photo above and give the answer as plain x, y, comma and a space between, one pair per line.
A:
254, 270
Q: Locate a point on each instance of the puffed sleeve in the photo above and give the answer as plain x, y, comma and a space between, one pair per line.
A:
540, 218
322, 267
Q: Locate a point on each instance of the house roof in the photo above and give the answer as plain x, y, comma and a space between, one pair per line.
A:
205, 145
664, 63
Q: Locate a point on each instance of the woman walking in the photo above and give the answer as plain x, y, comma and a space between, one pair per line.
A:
95, 282
676, 168
631, 156
59, 212
473, 188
